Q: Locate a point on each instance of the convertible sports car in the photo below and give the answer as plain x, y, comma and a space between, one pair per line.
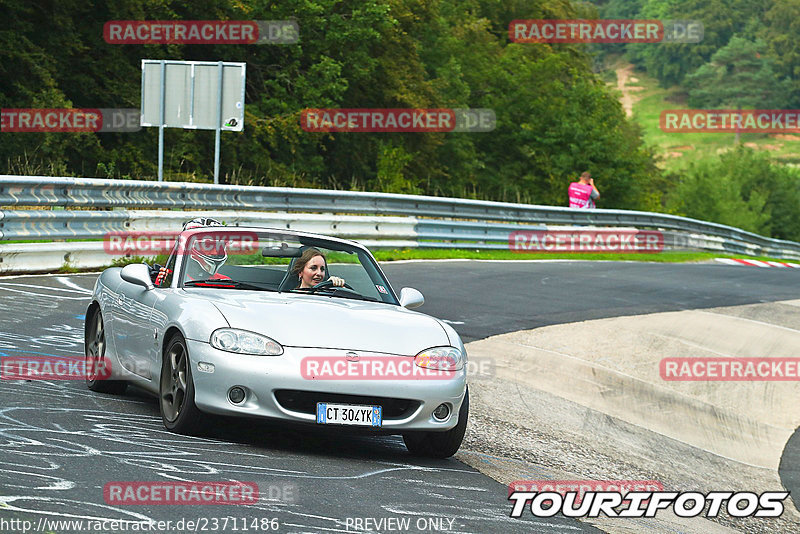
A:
278, 324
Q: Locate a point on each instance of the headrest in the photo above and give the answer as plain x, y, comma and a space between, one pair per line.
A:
290, 280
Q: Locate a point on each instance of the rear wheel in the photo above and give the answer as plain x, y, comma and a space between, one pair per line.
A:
97, 366
440, 444
176, 389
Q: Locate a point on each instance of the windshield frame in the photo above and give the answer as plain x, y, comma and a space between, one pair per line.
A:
365, 257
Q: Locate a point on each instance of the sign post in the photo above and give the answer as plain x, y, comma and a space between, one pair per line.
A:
196, 95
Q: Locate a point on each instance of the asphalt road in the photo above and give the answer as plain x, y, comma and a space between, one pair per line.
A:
60, 443
482, 299
488, 298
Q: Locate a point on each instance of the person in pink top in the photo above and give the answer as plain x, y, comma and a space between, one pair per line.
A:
583, 192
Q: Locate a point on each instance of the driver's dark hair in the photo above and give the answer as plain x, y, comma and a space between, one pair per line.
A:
304, 258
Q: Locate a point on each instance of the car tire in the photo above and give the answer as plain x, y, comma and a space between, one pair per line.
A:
179, 413
440, 444
94, 345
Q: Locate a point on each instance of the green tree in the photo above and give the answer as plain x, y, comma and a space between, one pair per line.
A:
739, 76
670, 63
554, 116
741, 189
780, 31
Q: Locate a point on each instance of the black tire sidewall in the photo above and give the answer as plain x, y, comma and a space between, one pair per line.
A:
186, 422
115, 387
90, 332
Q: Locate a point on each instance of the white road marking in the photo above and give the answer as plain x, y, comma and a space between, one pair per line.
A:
47, 287
6, 499
69, 283
43, 295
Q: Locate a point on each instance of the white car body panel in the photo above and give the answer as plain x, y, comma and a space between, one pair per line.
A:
139, 322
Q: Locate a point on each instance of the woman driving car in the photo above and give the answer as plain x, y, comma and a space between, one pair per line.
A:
311, 269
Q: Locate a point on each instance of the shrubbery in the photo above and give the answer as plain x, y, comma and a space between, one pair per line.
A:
742, 189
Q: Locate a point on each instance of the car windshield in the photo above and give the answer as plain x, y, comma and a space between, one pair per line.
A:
269, 261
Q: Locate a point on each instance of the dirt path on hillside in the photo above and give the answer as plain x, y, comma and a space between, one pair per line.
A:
627, 99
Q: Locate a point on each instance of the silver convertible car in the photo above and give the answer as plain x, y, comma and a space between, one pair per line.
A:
278, 324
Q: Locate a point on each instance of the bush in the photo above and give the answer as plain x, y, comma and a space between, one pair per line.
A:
742, 189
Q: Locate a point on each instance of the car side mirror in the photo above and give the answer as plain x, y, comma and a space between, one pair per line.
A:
411, 298
137, 273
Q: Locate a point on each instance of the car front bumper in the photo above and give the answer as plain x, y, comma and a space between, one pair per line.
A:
275, 388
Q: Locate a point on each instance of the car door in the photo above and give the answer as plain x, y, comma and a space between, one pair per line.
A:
133, 335
149, 359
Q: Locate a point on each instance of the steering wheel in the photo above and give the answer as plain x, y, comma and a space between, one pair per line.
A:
329, 283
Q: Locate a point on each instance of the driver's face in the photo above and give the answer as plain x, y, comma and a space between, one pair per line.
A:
313, 273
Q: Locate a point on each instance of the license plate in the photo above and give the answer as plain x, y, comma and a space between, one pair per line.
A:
349, 414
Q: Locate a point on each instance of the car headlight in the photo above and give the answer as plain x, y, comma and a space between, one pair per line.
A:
244, 342
441, 358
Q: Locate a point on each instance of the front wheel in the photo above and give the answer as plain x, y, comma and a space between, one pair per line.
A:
176, 389
440, 444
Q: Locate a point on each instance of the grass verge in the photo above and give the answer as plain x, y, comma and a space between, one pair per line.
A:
679, 150
472, 254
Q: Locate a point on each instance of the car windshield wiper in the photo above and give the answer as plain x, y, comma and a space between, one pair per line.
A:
312, 290
335, 291
355, 296
222, 283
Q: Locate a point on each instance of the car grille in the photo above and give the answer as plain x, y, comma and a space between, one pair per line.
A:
306, 402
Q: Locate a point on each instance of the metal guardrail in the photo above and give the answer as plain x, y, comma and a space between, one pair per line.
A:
437, 222
488, 235
136, 194
36, 225
47, 224
19, 225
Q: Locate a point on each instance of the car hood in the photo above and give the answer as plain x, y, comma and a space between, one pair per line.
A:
326, 322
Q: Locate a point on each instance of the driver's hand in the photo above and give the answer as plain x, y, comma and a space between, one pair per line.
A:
338, 282
162, 274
